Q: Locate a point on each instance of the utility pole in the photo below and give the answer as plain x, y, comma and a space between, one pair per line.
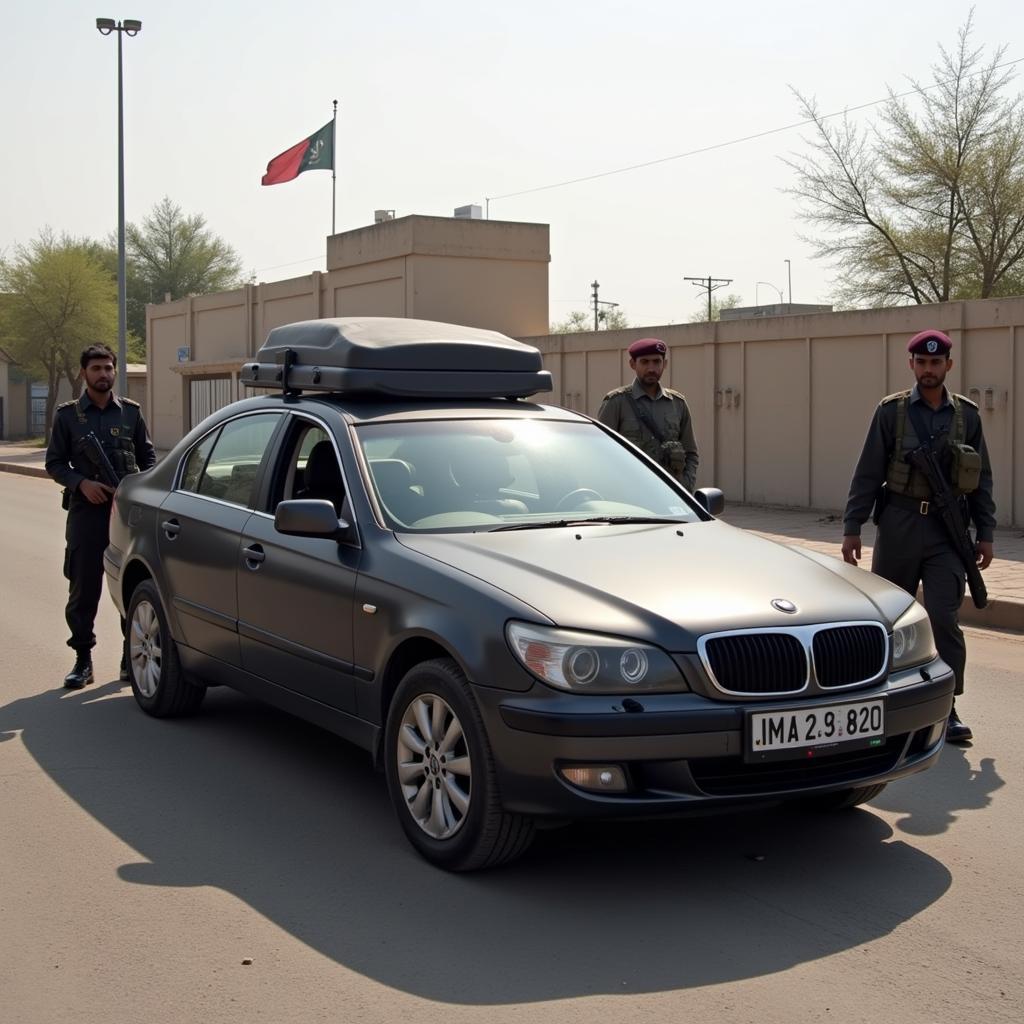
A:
598, 314
709, 284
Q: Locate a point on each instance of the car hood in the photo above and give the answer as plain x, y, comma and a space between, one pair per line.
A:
663, 583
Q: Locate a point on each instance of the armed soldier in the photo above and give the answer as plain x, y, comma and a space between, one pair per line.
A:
922, 525
95, 441
654, 418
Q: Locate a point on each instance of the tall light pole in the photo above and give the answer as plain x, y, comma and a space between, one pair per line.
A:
768, 284
130, 27
789, 275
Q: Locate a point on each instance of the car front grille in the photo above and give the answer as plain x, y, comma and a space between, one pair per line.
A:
848, 655
758, 662
780, 661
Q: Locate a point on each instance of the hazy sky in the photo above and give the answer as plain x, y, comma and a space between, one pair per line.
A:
450, 102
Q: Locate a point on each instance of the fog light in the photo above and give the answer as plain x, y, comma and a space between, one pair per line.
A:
937, 732
598, 778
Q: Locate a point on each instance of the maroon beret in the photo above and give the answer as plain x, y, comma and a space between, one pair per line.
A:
930, 343
647, 347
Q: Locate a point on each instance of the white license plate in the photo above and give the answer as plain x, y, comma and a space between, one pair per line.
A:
794, 730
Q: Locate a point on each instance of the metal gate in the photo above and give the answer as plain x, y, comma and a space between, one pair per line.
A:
207, 395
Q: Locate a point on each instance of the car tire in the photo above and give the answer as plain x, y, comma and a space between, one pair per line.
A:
844, 798
451, 815
151, 655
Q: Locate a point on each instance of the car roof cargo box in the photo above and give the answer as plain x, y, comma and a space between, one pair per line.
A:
396, 358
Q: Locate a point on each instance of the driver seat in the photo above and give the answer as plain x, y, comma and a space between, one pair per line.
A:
480, 479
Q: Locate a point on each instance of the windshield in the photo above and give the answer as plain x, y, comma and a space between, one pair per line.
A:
447, 475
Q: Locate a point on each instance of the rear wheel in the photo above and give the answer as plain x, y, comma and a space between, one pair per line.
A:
441, 777
159, 686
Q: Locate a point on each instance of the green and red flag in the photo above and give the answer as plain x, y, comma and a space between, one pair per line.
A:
313, 154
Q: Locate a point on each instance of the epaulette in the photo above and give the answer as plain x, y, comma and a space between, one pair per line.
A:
129, 401
618, 391
672, 393
965, 400
67, 405
894, 397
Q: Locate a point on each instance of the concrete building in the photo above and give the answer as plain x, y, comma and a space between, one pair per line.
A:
482, 273
776, 309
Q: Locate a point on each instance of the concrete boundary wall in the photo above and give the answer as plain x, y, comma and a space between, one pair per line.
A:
781, 404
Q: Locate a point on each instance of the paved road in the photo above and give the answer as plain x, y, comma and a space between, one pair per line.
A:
142, 862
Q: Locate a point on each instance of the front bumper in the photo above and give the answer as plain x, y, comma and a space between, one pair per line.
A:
682, 752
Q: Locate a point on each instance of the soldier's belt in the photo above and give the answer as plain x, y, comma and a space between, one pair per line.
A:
918, 505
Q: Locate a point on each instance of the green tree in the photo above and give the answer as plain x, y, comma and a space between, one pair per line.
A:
927, 205
582, 321
60, 298
700, 314
172, 253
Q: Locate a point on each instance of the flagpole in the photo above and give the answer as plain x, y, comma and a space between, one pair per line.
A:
334, 163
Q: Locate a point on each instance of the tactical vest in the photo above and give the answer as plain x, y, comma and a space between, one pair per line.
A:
961, 462
120, 449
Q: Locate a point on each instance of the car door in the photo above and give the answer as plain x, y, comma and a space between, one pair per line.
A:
295, 594
199, 532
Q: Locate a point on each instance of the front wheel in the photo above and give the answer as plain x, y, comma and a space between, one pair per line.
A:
440, 773
159, 686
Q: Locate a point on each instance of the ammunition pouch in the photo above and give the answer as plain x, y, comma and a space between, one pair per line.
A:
965, 467
673, 457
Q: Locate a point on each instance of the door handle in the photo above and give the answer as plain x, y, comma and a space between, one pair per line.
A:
254, 556
171, 528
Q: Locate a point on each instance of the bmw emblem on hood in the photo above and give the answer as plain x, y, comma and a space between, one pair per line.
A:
782, 605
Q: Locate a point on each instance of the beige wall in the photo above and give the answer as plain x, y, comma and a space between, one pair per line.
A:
781, 405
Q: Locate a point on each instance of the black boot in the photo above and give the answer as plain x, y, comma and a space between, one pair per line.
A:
956, 731
81, 674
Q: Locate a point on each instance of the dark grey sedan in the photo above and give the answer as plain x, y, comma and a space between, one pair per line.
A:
518, 614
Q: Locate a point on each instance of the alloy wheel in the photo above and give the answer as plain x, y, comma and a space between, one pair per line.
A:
434, 766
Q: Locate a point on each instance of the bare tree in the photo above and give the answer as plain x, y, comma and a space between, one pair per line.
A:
928, 204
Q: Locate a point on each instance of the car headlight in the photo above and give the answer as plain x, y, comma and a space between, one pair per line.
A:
592, 663
912, 641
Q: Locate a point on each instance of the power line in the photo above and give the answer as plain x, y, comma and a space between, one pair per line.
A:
733, 142
710, 284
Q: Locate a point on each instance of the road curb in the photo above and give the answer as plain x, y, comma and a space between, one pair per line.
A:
999, 613
13, 467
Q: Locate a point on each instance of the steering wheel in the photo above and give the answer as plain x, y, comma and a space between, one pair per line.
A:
576, 498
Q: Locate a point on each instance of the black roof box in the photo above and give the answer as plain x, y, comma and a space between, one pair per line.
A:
396, 358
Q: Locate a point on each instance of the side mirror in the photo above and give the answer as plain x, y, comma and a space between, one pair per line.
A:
309, 517
711, 499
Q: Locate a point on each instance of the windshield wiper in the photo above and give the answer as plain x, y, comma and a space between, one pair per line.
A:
601, 520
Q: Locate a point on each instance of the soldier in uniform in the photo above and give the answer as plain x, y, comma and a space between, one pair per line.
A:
913, 546
117, 424
654, 418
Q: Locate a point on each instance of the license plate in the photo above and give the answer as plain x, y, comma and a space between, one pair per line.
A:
795, 732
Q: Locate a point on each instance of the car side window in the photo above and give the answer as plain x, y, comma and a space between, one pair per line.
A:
230, 469
311, 469
196, 463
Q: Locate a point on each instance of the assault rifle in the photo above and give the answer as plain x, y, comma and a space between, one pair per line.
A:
91, 450
947, 506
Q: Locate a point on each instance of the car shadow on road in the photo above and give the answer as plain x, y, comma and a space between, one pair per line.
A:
296, 824
932, 801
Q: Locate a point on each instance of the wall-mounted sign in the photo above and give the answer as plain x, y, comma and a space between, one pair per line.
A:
183, 355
